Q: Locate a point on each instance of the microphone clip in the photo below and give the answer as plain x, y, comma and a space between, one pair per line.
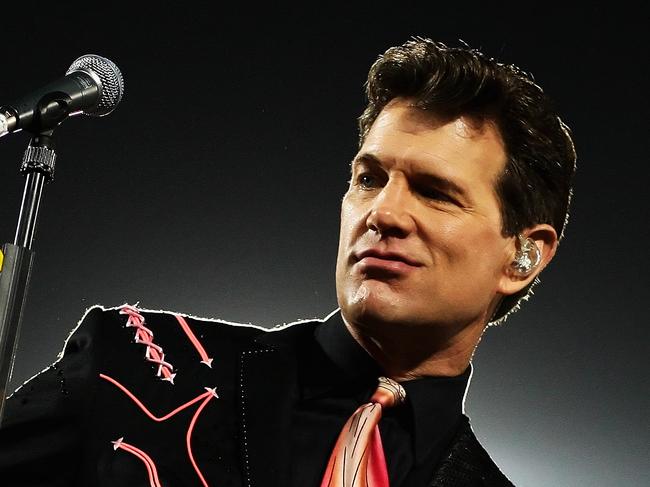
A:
40, 156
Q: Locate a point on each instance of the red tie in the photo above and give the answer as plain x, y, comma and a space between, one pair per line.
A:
358, 456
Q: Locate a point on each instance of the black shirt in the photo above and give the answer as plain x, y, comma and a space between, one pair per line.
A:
341, 377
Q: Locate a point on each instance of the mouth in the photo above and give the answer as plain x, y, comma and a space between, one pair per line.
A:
375, 261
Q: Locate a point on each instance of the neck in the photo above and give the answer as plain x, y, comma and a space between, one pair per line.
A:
411, 352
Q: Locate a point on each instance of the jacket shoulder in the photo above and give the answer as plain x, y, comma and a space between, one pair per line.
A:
467, 464
102, 330
104, 322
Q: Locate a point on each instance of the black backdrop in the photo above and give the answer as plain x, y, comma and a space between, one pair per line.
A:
214, 188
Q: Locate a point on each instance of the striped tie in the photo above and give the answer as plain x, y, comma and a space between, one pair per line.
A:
358, 456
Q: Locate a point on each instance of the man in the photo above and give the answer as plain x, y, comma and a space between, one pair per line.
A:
457, 200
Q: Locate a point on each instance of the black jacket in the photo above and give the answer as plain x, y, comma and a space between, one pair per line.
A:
75, 423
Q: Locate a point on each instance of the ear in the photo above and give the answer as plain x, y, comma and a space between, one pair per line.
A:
545, 239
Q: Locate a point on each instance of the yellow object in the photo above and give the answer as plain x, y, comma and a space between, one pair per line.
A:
2, 258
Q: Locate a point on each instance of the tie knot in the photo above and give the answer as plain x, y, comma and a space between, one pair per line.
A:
389, 393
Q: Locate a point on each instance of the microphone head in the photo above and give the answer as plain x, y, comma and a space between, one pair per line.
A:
109, 78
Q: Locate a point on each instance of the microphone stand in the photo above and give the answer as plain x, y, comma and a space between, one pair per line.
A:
15, 270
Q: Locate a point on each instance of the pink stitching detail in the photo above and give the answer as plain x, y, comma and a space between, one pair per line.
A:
207, 396
195, 341
154, 481
144, 408
188, 436
144, 336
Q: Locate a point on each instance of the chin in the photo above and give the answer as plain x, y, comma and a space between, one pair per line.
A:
375, 305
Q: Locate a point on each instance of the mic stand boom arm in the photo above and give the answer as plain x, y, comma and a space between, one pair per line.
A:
15, 269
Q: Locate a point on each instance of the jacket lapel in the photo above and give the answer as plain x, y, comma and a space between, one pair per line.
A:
467, 464
268, 389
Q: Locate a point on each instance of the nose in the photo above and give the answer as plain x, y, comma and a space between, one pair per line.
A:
390, 214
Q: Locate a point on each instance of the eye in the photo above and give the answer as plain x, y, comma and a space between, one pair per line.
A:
435, 194
367, 180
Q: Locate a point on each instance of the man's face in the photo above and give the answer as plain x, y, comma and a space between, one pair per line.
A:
420, 241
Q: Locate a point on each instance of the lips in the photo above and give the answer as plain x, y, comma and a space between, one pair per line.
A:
385, 255
373, 260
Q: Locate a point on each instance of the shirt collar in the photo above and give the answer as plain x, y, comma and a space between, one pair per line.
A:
344, 351
435, 403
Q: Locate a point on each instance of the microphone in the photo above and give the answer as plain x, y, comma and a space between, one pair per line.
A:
93, 86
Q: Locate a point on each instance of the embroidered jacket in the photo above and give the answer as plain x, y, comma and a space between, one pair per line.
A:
163, 400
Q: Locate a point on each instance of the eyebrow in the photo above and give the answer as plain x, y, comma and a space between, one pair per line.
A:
439, 182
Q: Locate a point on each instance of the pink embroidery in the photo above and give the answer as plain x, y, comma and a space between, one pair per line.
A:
143, 335
195, 341
188, 437
207, 396
146, 459
144, 408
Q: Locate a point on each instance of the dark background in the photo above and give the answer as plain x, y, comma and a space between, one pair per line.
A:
214, 190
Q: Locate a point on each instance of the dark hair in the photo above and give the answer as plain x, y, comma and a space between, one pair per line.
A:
535, 185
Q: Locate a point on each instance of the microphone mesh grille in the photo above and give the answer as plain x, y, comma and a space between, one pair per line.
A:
112, 87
